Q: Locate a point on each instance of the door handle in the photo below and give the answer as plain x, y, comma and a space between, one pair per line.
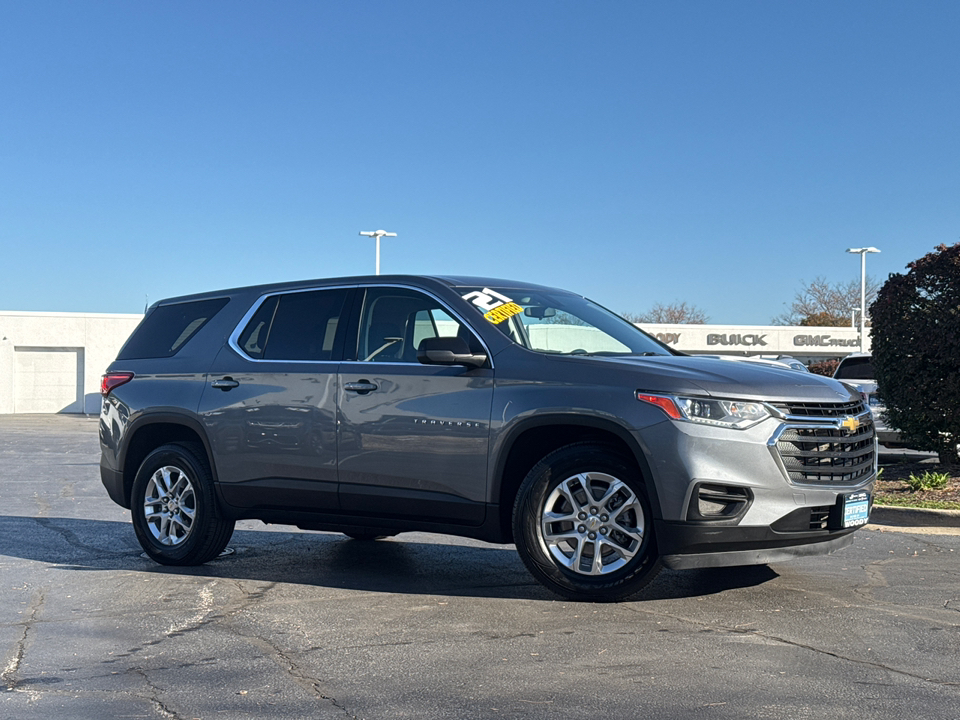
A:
362, 387
227, 383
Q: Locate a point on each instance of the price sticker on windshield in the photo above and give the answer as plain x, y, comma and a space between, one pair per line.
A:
499, 314
496, 307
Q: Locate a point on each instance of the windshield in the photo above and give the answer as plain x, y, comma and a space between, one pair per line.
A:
559, 323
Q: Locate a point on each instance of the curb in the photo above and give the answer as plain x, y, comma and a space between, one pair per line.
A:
913, 517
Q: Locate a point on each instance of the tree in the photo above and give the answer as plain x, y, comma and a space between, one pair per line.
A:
824, 319
916, 351
563, 318
676, 313
821, 304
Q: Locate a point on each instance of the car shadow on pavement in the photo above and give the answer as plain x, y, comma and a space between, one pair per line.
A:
406, 564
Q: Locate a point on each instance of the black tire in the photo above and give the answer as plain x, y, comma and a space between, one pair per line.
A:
615, 518
175, 512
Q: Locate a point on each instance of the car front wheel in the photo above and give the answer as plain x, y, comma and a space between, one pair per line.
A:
582, 524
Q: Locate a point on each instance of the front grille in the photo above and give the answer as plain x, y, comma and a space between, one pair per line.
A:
826, 454
821, 410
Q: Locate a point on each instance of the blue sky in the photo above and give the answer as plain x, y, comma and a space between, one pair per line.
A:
719, 153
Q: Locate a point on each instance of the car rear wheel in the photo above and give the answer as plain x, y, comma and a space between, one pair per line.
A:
582, 524
175, 513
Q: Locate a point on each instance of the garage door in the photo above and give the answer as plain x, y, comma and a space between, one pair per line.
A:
47, 380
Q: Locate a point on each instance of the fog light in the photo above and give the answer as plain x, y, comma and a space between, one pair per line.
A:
719, 502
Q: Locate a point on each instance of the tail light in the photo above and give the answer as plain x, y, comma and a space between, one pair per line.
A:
114, 380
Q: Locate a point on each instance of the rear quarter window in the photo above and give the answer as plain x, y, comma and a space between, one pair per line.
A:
167, 330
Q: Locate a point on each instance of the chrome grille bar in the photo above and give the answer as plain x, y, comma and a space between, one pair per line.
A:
834, 448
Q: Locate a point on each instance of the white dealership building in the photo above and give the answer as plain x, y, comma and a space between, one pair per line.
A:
52, 362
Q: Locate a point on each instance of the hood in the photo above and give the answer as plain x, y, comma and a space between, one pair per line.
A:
723, 378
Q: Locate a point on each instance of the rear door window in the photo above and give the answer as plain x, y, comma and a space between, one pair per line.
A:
166, 330
300, 326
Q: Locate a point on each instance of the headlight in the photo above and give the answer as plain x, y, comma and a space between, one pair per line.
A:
739, 414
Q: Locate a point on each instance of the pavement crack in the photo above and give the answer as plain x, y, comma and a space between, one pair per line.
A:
486, 635
201, 617
792, 643
204, 612
154, 696
293, 670
875, 579
12, 668
73, 541
369, 646
251, 595
858, 661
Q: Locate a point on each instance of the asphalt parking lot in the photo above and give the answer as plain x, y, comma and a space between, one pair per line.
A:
312, 625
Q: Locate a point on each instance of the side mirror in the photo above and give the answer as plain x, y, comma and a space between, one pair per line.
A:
448, 351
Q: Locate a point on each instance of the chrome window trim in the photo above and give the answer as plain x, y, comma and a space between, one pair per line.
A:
235, 335
241, 326
368, 363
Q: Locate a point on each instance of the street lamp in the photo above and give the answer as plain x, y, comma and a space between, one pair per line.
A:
863, 287
378, 234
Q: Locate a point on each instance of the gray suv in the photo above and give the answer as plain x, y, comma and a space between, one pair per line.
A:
483, 408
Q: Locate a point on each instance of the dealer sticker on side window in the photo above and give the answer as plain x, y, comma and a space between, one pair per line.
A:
496, 307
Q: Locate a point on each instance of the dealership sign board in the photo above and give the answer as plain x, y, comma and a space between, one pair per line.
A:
758, 339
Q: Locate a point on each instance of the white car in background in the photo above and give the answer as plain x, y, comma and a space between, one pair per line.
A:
856, 370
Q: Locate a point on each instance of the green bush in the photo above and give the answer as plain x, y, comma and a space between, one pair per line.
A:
928, 481
916, 351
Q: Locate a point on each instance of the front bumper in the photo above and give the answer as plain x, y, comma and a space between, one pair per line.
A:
759, 495
687, 545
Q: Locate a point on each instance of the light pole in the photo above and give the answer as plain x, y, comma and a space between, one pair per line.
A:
378, 234
863, 287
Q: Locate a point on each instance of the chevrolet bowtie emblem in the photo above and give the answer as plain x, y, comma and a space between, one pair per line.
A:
852, 424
